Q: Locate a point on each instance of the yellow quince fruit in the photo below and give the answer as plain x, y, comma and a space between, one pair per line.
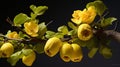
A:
85, 32
29, 59
77, 53
31, 28
66, 52
85, 16
7, 49
52, 46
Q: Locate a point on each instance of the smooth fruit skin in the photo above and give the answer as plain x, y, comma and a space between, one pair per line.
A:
29, 59
7, 49
77, 53
85, 32
66, 52
52, 46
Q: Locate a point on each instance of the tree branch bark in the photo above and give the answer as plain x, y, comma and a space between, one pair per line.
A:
113, 35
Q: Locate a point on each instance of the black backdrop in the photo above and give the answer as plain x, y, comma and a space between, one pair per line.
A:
60, 12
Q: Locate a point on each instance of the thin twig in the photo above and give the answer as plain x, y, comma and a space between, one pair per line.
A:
1, 35
49, 23
9, 21
102, 17
115, 28
12, 24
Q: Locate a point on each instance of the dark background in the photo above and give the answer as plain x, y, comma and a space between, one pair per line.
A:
60, 12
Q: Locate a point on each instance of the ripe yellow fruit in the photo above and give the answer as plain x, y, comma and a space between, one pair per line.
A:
52, 46
7, 49
66, 52
77, 53
29, 59
85, 32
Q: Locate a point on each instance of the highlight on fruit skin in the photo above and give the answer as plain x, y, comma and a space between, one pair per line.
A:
85, 32
66, 52
7, 50
77, 54
52, 46
29, 59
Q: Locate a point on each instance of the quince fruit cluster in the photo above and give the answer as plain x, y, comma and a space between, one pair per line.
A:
68, 52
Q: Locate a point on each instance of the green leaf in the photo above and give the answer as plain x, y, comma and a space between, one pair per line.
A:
26, 51
37, 10
108, 21
59, 35
42, 29
72, 32
92, 52
49, 34
80, 42
14, 58
40, 10
22, 35
89, 44
20, 19
33, 7
9, 31
63, 29
99, 5
33, 16
93, 42
72, 26
39, 48
106, 52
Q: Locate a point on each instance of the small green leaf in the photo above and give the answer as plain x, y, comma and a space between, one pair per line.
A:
63, 29
22, 35
72, 26
89, 44
93, 42
40, 10
106, 52
59, 35
72, 32
42, 29
20, 19
80, 42
49, 34
14, 58
9, 31
92, 52
33, 16
33, 7
39, 48
99, 5
26, 51
108, 21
